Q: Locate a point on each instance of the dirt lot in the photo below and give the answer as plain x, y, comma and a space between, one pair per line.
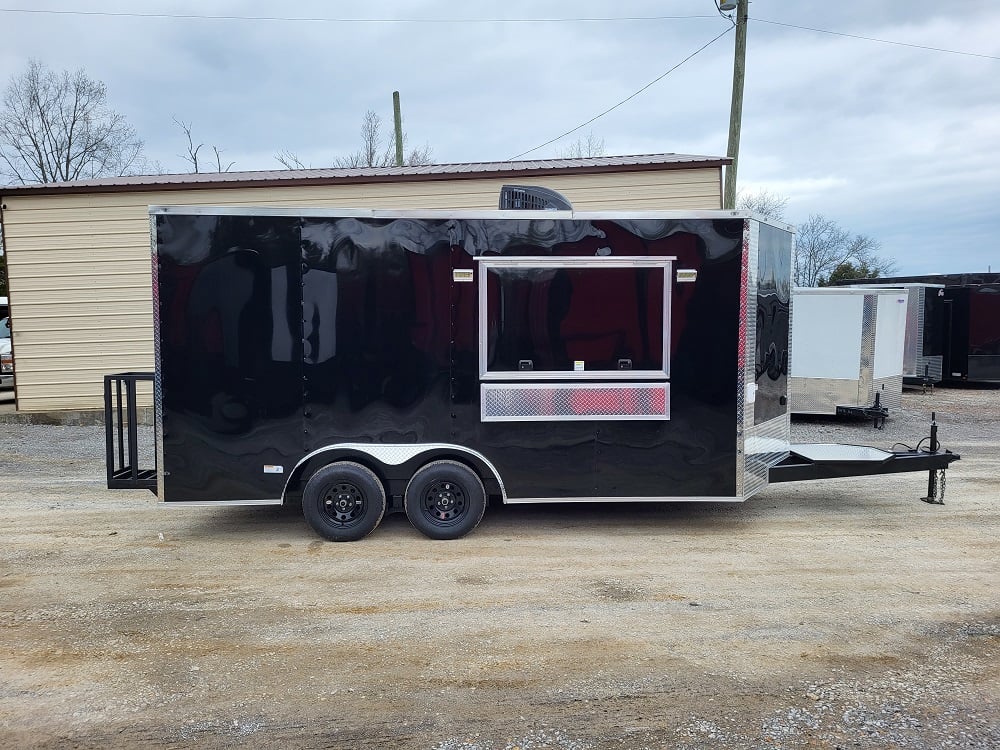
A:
831, 614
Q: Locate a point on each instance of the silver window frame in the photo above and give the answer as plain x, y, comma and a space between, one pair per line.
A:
484, 264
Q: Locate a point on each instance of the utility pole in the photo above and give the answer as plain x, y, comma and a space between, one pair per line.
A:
397, 118
736, 110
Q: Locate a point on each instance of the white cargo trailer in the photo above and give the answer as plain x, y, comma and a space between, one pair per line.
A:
847, 350
924, 344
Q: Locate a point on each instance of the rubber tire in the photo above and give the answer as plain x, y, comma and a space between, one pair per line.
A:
472, 490
368, 485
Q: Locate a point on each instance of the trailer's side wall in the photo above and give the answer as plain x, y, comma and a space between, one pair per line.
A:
283, 336
79, 264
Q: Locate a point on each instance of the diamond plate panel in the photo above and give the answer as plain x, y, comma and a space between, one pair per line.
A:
555, 402
866, 388
837, 453
763, 445
766, 445
746, 350
890, 392
822, 395
933, 365
157, 370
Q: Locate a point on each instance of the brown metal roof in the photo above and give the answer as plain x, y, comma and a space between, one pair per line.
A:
471, 170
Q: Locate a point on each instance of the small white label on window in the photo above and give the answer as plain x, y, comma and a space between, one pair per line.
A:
578, 365
273, 469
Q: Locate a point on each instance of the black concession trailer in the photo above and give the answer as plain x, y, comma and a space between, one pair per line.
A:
365, 362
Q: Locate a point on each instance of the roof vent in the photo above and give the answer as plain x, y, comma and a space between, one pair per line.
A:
531, 198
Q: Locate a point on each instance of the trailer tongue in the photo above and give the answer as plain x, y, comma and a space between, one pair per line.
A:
824, 461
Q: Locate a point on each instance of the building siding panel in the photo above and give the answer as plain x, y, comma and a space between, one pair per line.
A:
79, 264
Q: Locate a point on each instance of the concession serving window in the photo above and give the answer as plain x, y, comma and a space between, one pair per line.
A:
559, 335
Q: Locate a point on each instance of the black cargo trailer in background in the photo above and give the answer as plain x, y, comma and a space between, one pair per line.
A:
968, 315
377, 361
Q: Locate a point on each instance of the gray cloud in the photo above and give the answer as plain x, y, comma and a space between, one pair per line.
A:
891, 141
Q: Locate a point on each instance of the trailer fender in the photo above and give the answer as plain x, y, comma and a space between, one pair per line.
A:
395, 464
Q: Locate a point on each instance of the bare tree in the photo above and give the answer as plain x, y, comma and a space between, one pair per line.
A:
378, 149
218, 161
56, 127
289, 160
822, 246
193, 151
418, 157
764, 202
583, 147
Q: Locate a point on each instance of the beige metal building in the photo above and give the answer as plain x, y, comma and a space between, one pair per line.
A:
78, 253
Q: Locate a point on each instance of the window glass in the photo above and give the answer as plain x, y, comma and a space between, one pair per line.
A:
572, 319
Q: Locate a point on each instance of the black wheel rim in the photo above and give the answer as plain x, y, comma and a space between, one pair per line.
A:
344, 504
444, 503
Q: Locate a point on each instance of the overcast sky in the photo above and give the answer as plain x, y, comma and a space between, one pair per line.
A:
893, 141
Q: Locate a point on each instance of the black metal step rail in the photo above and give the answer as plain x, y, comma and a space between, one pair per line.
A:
121, 426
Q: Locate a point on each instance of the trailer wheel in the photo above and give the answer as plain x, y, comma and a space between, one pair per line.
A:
445, 500
344, 501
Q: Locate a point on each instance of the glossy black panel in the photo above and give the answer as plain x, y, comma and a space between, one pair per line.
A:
933, 322
377, 330
694, 453
984, 320
230, 354
281, 335
774, 259
956, 338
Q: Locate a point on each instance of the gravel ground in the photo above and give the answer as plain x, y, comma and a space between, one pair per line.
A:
839, 614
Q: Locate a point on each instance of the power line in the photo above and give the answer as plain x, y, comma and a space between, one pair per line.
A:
566, 19
874, 39
628, 98
315, 19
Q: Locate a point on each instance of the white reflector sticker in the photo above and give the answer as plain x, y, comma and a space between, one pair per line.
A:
272, 469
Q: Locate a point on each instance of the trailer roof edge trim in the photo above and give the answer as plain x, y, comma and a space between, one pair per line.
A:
416, 213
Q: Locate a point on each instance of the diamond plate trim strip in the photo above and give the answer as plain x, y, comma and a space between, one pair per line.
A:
766, 445
745, 350
866, 386
157, 369
573, 402
890, 392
